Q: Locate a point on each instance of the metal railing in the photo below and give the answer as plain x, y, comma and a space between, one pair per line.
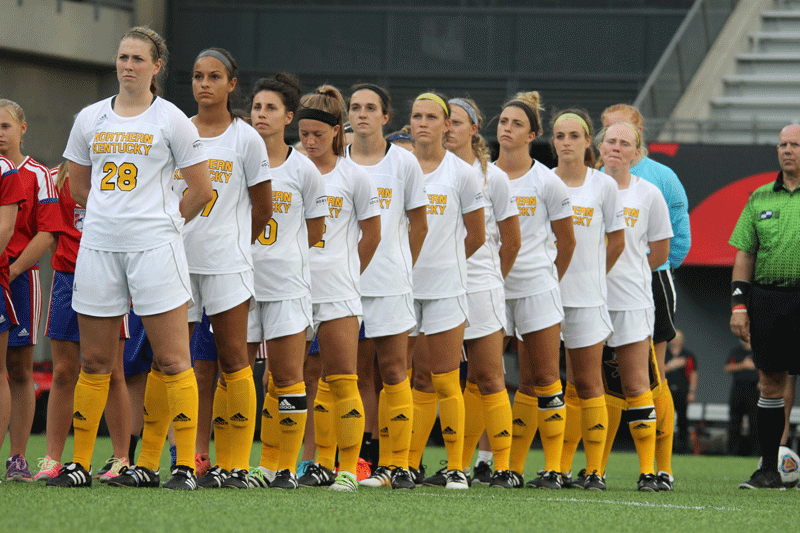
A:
714, 131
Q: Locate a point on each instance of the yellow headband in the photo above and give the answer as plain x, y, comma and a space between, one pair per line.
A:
635, 131
434, 98
573, 116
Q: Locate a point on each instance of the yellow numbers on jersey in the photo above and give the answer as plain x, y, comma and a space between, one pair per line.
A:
272, 226
210, 205
122, 177
321, 243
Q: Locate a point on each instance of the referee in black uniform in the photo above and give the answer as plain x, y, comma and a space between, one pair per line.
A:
765, 296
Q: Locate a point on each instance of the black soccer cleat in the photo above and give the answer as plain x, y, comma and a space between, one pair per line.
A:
214, 479
506, 479
594, 482
317, 476
71, 475
183, 478
284, 479
418, 475
548, 480
664, 481
482, 474
566, 481
136, 476
439, 479
763, 479
401, 479
647, 483
237, 479
580, 480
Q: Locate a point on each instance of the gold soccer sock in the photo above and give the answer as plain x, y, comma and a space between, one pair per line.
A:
524, 423
241, 415
349, 421
292, 424
552, 414
222, 428
384, 450
665, 427
572, 429
614, 413
324, 426
451, 415
182, 396
473, 421
422, 424
270, 432
400, 416
641, 418
497, 415
594, 428
91, 393
156, 421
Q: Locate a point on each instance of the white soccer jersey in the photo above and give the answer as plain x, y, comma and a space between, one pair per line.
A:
441, 269
541, 198
646, 220
483, 268
401, 188
335, 266
217, 241
280, 253
131, 204
596, 211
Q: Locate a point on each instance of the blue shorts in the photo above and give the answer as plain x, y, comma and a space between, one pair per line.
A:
202, 344
315, 344
138, 356
26, 293
62, 320
8, 318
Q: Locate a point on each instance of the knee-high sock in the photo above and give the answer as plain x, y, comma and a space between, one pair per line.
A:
182, 395
293, 414
384, 448
552, 418
270, 438
222, 428
525, 422
400, 414
91, 393
497, 415
572, 429
594, 428
665, 427
451, 416
770, 421
156, 421
422, 424
473, 421
241, 415
324, 426
641, 418
349, 422
614, 413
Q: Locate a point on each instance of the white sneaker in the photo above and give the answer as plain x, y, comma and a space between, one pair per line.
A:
381, 477
345, 482
456, 479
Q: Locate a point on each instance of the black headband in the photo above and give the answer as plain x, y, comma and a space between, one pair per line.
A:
219, 56
377, 90
528, 111
158, 51
318, 114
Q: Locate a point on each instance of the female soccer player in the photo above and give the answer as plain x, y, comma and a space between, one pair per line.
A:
486, 401
218, 245
630, 297
11, 195
62, 329
456, 230
37, 222
533, 297
122, 155
386, 283
599, 233
283, 281
337, 261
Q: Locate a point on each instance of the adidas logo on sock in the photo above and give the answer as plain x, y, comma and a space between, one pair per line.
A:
181, 418
598, 426
659, 433
652, 415
448, 431
400, 418
503, 433
285, 405
320, 409
288, 422
555, 402
78, 416
352, 414
518, 422
384, 431
266, 414
737, 292
641, 425
220, 421
239, 417
555, 418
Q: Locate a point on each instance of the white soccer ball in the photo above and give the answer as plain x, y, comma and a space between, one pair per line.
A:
788, 466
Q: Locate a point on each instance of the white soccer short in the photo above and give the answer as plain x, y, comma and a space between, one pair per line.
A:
631, 326
220, 292
534, 313
585, 326
155, 280
388, 315
487, 313
436, 316
270, 320
325, 312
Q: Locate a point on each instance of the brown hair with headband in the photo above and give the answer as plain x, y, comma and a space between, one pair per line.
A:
529, 102
232, 69
383, 94
158, 50
478, 144
327, 98
589, 156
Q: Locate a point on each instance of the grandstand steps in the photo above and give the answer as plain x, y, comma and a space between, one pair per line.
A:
755, 107
774, 41
767, 86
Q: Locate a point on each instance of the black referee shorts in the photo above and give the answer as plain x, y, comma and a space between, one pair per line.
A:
774, 329
664, 298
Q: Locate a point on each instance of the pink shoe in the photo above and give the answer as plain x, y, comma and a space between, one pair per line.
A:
48, 469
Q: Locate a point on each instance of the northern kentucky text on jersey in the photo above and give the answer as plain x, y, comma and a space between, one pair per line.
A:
436, 204
582, 215
335, 206
526, 205
385, 197
122, 142
631, 216
219, 170
281, 201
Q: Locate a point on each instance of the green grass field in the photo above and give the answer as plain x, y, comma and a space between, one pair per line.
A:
705, 500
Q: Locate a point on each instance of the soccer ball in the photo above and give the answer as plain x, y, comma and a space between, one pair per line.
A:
788, 466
